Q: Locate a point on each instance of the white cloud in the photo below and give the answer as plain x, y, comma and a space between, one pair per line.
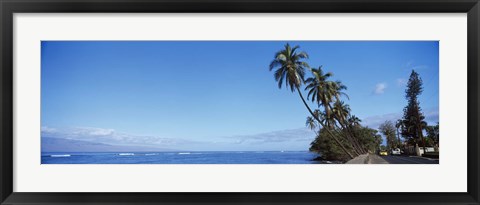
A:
380, 88
92, 131
431, 117
281, 136
293, 139
110, 136
375, 121
48, 129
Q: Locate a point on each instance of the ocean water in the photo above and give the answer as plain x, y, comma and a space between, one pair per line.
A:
271, 157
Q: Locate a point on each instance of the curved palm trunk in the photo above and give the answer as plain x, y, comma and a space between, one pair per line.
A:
328, 110
355, 139
351, 129
354, 146
345, 125
319, 121
349, 135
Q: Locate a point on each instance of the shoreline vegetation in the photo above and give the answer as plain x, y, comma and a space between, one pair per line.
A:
339, 134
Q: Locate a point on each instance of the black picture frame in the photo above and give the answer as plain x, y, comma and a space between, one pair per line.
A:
9, 7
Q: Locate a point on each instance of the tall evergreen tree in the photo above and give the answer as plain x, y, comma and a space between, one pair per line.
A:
413, 118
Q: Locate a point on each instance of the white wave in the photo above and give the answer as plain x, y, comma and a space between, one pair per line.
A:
60, 155
126, 154
150, 154
184, 153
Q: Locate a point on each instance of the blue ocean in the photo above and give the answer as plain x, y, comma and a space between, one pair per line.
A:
250, 157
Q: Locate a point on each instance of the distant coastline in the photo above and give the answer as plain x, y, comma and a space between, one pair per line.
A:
52, 144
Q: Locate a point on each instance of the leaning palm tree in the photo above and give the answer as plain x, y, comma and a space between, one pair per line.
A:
354, 120
320, 89
342, 112
339, 87
317, 83
311, 123
317, 113
290, 68
323, 92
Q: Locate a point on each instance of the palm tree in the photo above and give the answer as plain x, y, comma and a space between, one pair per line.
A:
327, 121
290, 68
320, 89
342, 112
317, 83
324, 92
338, 86
354, 120
310, 123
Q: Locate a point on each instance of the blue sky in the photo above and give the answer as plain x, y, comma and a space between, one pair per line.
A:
217, 95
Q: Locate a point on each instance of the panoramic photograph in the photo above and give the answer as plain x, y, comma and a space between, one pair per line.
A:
240, 102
